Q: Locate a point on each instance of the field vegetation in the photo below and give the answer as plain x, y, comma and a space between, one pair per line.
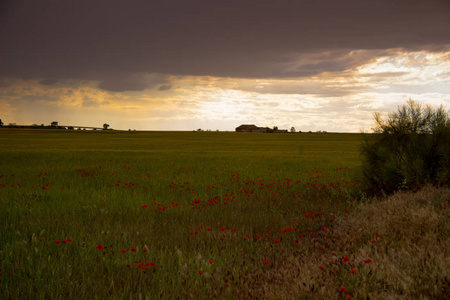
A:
109, 214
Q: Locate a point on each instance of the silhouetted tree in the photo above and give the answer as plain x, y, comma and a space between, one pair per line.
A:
54, 124
292, 129
1, 123
105, 126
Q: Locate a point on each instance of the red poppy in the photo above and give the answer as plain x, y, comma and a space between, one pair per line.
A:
277, 240
69, 239
368, 261
201, 272
266, 262
211, 261
99, 247
321, 267
222, 228
57, 241
41, 239
145, 250
343, 289
123, 251
353, 271
133, 249
227, 284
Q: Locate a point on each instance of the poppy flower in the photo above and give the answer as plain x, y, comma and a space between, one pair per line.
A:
201, 272
368, 261
277, 241
69, 239
133, 249
57, 241
123, 251
211, 261
353, 271
99, 247
266, 262
321, 267
343, 289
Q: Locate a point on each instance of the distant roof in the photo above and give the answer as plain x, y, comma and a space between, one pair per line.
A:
247, 126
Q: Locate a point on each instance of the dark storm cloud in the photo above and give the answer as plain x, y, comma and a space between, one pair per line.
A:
48, 81
126, 81
164, 87
91, 40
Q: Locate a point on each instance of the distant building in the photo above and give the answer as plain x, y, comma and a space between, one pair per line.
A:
254, 128
246, 128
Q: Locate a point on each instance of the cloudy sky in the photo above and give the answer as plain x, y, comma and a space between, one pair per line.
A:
215, 64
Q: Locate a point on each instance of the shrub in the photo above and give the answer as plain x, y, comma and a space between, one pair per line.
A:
407, 150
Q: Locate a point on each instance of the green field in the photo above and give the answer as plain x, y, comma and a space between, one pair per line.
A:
109, 214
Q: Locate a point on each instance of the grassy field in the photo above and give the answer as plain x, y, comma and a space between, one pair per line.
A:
108, 214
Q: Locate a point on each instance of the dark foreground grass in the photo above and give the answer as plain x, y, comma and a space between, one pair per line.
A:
207, 215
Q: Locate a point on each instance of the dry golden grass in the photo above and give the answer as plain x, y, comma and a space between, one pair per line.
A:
406, 237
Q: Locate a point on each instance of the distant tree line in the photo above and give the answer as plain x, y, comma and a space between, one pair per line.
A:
53, 125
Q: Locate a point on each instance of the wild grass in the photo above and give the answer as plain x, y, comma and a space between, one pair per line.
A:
208, 215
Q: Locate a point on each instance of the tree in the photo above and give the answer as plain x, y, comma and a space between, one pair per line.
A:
292, 129
1, 123
105, 126
275, 128
407, 150
54, 124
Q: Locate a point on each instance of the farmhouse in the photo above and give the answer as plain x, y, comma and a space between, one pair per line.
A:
246, 128
254, 128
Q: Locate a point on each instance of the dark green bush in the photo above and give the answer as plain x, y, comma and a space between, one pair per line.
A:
407, 150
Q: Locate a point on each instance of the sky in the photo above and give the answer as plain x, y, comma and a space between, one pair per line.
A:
216, 64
